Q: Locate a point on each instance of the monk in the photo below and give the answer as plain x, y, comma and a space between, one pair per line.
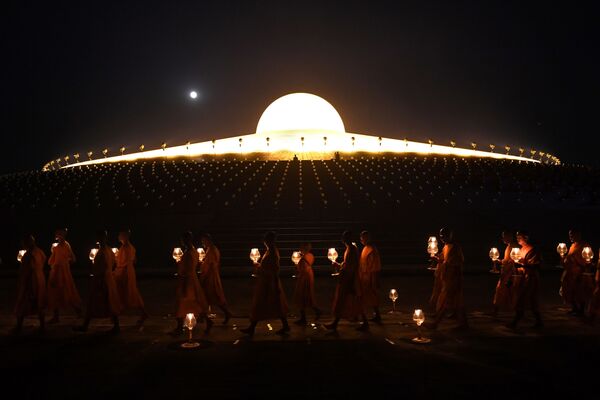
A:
595, 301
269, 300
528, 266
451, 277
31, 289
437, 282
210, 276
304, 294
346, 301
572, 284
504, 298
62, 292
369, 275
190, 297
125, 277
103, 301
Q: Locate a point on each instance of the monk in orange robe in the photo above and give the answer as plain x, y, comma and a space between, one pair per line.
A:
595, 301
269, 300
572, 283
437, 282
304, 294
451, 276
126, 279
190, 297
346, 301
369, 275
62, 292
528, 266
103, 301
210, 277
31, 289
504, 298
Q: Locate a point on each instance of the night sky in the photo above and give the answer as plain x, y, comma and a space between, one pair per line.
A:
91, 75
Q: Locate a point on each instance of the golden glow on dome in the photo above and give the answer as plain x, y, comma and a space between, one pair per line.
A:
300, 112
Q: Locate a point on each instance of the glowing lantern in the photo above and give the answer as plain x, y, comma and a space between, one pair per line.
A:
92, 254
190, 323
393, 296
201, 254
515, 254
254, 255
53, 246
332, 254
562, 250
494, 256
20, 255
587, 254
115, 250
296, 257
177, 254
419, 318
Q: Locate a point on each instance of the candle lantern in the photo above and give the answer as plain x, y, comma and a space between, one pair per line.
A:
587, 254
296, 257
92, 254
115, 250
393, 296
332, 255
254, 255
494, 256
190, 324
20, 255
515, 254
562, 250
177, 254
432, 250
201, 254
419, 318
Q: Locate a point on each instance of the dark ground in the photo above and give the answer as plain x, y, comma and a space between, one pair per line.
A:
487, 360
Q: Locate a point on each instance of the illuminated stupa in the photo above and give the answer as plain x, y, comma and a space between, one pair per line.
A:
303, 124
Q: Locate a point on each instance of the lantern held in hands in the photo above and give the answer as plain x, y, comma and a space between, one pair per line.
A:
20, 255
494, 256
201, 254
254, 255
562, 250
92, 254
177, 254
332, 254
296, 257
515, 254
587, 254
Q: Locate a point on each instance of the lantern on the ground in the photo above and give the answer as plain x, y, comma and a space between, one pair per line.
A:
419, 318
562, 250
190, 323
201, 254
177, 254
587, 254
20, 255
393, 296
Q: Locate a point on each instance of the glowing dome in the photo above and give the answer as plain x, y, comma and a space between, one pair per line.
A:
300, 112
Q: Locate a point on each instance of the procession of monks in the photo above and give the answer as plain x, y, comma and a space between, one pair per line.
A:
113, 284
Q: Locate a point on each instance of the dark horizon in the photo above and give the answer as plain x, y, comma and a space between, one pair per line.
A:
88, 77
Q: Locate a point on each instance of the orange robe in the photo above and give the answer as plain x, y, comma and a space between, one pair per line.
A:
210, 277
346, 300
595, 301
504, 297
189, 295
269, 300
368, 273
437, 282
529, 269
126, 279
31, 289
104, 299
62, 292
304, 294
572, 285
451, 277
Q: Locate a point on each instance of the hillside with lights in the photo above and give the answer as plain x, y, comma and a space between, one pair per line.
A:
304, 176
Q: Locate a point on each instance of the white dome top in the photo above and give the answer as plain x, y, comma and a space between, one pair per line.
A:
300, 112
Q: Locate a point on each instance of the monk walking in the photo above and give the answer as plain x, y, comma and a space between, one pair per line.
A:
62, 292
31, 289
504, 298
369, 275
189, 296
572, 283
346, 301
269, 298
304, 294
210, 277
103, 301
451, 277
125, 277
529, 267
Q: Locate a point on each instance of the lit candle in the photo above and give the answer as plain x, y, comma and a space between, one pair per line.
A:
254, 255
332, 254
562, 250
20, 255
115, 250
515, 254
92, 254
296, 257
201, 254
393, 296
177, 254
587, 254
419, 318
494, 254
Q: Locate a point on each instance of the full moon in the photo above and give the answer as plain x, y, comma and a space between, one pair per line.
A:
300, 112
193, 94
